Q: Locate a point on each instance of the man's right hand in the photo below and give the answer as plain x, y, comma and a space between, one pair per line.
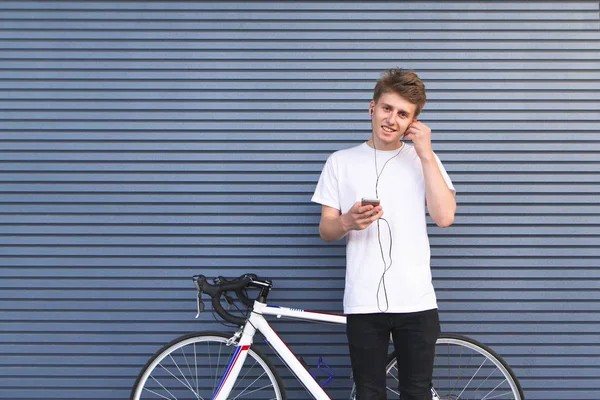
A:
360, 217
334, 226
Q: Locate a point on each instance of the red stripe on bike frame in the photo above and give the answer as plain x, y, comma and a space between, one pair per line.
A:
236, 356
325, 313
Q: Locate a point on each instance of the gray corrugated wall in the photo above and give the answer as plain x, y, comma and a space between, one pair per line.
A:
144, 142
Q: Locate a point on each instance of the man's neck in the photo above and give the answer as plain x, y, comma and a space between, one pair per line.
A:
383, 147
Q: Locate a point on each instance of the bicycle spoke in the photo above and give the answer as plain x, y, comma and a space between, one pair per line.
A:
450, 371
187, 383
210, 363
486, 379
241, 394
160, 395
164, 388
196, 368
239, 380
501, 395
252, 391
461, 369
492, 391
188, 368
473, 377
217, 365
180, 381
394, 376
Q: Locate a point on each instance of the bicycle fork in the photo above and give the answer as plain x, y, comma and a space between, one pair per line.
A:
235, 364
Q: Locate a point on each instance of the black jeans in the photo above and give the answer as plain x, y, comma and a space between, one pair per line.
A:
414, 336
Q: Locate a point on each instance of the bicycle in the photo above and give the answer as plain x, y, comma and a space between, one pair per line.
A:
215, 365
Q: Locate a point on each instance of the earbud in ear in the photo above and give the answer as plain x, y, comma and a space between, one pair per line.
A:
371, 111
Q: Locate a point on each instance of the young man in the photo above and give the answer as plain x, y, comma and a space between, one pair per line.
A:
388, 277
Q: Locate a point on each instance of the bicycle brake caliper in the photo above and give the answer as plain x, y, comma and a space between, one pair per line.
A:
233, 341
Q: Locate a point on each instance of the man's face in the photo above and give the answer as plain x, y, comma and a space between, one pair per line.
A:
392, 114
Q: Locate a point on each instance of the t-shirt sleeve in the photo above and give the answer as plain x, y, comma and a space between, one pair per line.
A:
327, 190
445, 174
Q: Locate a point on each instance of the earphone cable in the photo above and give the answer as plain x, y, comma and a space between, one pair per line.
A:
386, 268
377, 172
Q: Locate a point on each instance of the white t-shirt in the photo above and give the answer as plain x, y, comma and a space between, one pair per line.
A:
348, 176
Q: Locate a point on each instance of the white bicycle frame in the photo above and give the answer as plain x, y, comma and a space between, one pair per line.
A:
258, 322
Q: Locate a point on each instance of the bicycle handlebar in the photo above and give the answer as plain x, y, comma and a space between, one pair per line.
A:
223, 285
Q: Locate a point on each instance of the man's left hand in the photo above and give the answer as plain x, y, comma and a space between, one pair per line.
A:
420, 135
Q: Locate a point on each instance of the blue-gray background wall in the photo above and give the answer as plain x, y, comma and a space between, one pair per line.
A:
144, 142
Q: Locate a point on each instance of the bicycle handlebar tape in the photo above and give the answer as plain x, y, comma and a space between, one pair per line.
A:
215, 291
216, 302
241, 295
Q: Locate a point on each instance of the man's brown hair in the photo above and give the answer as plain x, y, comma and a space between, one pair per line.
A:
403, 82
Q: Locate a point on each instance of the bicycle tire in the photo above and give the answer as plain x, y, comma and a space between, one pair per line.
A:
193, 365
471, 371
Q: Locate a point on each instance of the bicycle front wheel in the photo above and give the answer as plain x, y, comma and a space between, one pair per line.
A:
465, 369
191, 367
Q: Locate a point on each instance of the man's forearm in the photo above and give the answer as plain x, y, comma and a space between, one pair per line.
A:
440, 200
333, 228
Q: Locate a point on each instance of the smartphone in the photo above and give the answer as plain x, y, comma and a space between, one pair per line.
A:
366, 202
